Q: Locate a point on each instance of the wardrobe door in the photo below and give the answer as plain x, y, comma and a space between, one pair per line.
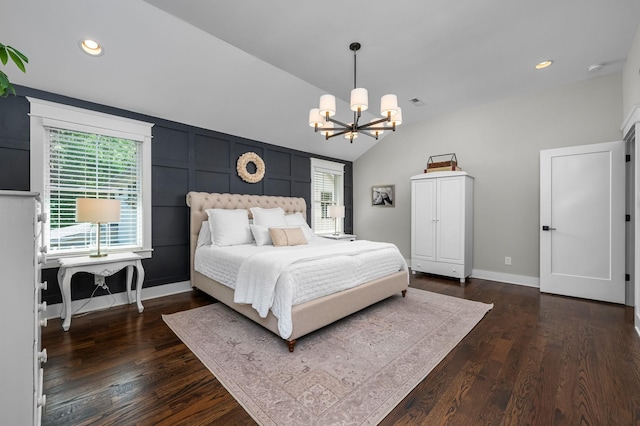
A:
450, 220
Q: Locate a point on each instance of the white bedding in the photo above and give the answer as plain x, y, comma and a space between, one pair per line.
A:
295, 278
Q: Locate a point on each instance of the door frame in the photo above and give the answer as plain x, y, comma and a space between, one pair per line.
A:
632, 124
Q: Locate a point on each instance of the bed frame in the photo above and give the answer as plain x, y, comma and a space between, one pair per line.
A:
306, 317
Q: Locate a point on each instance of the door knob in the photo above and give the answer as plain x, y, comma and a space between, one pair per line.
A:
547, 228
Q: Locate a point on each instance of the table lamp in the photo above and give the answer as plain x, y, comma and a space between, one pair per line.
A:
336, 212
98, 211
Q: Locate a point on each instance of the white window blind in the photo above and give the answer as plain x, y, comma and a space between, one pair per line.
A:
327, 180
89, 165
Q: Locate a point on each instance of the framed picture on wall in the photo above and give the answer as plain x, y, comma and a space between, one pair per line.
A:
383, 195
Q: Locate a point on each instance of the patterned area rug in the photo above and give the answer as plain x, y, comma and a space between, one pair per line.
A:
352, 372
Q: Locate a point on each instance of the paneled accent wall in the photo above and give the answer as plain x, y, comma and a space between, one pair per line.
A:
184, 158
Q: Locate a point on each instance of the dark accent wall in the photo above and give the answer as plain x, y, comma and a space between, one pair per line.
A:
184, 158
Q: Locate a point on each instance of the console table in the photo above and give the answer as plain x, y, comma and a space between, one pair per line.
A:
101, 267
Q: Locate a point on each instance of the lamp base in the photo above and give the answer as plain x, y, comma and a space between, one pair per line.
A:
97, 254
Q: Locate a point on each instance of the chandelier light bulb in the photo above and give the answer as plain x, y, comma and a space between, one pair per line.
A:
327, 129
377, 132
351, 135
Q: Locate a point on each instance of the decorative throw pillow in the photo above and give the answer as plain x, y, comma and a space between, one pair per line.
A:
268, 217
229, 227
296, 219
287, 237
204, 236
261, 235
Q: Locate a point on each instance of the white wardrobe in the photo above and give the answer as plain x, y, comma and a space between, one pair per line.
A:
442, 224
21, 357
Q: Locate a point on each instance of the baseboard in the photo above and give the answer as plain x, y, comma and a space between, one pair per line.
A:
107, 301
506, 278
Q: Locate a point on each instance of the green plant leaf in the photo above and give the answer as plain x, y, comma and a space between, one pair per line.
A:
16, 59
20, 54
3, 55
5, 86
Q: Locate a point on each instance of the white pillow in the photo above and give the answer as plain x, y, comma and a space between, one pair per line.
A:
229, 227
261, 235
204, 236
268, 217
297, 219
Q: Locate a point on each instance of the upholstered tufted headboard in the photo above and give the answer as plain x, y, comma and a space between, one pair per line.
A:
201, 201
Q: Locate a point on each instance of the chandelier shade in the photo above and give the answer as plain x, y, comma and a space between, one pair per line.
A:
388, 105
321, 118
327, 105
359, 99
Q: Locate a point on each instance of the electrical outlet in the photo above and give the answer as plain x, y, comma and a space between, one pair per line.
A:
507, 260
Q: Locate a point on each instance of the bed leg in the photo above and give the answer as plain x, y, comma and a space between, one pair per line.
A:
291, 343
404, 293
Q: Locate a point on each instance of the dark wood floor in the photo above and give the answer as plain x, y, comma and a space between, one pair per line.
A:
534, 359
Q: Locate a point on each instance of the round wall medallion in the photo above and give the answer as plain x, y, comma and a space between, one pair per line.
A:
241, 167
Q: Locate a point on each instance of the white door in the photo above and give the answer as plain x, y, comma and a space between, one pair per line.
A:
423, 219
450, 220
582, 221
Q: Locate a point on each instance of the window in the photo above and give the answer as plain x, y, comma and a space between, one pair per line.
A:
327, 188
79, 153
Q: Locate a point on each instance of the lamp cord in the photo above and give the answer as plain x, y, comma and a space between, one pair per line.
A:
113, 302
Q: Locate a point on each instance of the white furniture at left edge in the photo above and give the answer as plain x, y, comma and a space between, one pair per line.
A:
21, 357
101, 267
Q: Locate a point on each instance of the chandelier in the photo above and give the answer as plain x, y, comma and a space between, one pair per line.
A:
321, 118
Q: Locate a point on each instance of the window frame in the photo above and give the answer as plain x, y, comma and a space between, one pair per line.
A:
45, 114
330, 167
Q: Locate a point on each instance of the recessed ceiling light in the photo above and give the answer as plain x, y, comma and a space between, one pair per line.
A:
91, 47
544, 64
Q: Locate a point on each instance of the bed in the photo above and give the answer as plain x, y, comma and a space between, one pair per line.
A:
307, 316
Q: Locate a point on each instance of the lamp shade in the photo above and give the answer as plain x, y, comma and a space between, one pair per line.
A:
315, 119
327, 129
396, 119
327, 105
336, 211
97, 210
388, 104
359, 99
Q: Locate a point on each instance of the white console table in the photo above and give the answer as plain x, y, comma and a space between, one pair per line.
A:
101, 267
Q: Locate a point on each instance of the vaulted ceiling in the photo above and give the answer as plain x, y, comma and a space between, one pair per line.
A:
254, 68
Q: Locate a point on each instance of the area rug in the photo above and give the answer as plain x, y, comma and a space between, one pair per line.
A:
352, 372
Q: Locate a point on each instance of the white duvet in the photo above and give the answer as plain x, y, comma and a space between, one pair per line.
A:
277, 278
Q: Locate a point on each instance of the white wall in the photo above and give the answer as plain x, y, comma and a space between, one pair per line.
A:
499, 145
631, 76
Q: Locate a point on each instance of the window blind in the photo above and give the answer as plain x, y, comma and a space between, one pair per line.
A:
89, 165
327, 190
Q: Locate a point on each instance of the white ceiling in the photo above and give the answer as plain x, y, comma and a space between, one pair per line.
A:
253, 68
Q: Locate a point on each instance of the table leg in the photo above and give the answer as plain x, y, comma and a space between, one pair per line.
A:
60, 279
129, 280
66, 300
139, 285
